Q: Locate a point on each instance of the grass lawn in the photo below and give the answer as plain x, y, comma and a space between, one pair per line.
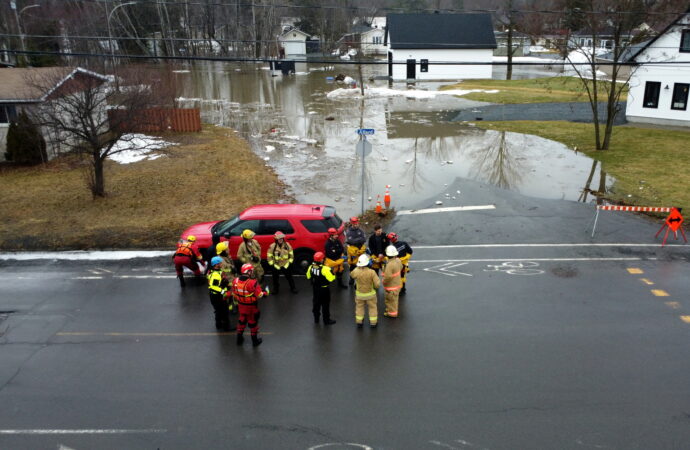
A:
656, 157
211, 175
536, 90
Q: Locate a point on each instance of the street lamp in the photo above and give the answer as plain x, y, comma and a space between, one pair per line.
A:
17, 15
110, 36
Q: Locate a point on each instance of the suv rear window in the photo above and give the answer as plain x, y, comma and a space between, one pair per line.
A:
270, 226
322, 225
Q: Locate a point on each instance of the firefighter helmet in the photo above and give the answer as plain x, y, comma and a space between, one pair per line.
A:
191, 238
247, 269
354, 220
248, 234
392, 237
221, 247
332, 231
318, 256
279, 235
363, 261
216, 260
391, 251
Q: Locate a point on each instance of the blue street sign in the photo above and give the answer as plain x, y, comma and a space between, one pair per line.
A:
365, 131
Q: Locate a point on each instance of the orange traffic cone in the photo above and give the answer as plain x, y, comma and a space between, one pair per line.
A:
387, 197
378, 205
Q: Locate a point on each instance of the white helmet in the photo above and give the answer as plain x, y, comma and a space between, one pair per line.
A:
363, 261
391, 251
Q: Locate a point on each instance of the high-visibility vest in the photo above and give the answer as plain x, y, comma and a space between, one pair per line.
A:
245, 291
185, 250
214, 280
320, 275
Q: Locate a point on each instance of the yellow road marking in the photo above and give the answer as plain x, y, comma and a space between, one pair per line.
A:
672, 305
647, 282
659, 292
90, 333
634, 270
685, 319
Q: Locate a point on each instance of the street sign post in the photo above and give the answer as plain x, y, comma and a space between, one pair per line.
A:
365, 131
363, 148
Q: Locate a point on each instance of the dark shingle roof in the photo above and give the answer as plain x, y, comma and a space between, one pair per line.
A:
452, 31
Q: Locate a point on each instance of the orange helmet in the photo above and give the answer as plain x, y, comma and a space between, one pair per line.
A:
247, 269
392, 237
332, 231
354, 219
319, 256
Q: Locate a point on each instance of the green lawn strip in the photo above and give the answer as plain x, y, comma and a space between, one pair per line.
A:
210, 176
535, 90
651, 159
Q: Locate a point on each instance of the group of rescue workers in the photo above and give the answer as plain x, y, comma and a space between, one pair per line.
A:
238, 293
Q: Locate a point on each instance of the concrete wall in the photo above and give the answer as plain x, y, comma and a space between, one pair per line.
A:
666, 48
445, 71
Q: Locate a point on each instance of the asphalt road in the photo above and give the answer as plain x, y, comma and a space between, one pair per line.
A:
502, 343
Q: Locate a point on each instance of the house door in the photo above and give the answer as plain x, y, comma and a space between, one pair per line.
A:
411, 69
390, 64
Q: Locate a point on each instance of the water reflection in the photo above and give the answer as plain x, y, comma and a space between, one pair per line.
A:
310, 139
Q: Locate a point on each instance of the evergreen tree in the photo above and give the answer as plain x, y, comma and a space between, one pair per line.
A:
25, 143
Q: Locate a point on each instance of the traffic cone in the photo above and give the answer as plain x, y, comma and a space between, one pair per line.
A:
387, 197
379, 210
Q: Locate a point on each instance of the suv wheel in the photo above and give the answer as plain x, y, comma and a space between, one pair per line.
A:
303, 259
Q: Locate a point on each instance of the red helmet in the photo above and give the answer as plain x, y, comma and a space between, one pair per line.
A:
392, 237
332, 231
354, 219
247, 269
319, 256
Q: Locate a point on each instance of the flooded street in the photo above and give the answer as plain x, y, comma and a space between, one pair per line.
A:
309, 138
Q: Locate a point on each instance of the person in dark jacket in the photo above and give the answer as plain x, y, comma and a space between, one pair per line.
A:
335, 256
377, 248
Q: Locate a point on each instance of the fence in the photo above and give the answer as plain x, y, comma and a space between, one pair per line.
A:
156, 119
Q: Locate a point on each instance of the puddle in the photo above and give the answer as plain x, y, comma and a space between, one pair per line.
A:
310, 139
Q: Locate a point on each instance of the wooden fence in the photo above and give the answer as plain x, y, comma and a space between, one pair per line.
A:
156, 119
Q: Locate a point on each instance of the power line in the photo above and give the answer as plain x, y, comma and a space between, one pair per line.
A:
341, 62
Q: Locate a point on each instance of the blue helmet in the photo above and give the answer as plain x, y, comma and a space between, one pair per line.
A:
216, 260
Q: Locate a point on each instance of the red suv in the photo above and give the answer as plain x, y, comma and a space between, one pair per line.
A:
305, 227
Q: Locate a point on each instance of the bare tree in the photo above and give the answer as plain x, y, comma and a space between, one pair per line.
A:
86, 116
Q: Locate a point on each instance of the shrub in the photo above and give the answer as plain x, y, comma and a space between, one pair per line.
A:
25, 143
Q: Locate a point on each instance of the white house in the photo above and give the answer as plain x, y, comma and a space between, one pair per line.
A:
425, 46
294, 42
659, 92
372, 42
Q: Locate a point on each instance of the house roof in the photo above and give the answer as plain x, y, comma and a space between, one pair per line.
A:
440, 31
653, 40
18, 85
293, 30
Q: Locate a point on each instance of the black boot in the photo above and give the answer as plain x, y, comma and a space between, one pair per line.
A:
316, 319
182, 283
328, 322
351, 281
256, 340
240, 339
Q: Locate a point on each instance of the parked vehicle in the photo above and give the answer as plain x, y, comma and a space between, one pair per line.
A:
305, 227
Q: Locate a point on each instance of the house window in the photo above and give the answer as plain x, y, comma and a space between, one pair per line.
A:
685, 41
424, 65
651, 94
377, 39
7, 113
680, 96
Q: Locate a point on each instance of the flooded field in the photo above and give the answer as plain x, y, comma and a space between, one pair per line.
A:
304, 126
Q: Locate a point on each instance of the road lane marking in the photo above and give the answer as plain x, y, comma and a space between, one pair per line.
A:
685, 319
83, 431
635, 271
525, 259
647, 282
127, 334
660, 293
544, 245
407, 212
672, 305
445, 269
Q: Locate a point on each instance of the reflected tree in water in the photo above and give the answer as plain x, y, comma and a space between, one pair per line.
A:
497, 165
600, 193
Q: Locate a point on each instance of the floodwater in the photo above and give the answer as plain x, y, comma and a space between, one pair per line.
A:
310, 138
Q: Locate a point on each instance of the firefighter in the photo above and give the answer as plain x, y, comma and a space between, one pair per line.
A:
250, 252
355, 240
377, 248
247, 291
392, 281
404, 253
280, 257
227, 269
186, 255
367, 282
335, 256
217, 287
320, 276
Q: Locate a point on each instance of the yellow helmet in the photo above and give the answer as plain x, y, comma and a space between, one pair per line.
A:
248, 234
221, 247
191, 238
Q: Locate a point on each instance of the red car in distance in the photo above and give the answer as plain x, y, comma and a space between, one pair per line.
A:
305, 227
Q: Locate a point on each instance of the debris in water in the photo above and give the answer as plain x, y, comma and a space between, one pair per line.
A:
288, 155
369, 198
312, 112
269, 148
449, 162
352, 199
330, 118
453, 197
401, 184
385, 158
266, 158
439, 202
457, 192
408, 161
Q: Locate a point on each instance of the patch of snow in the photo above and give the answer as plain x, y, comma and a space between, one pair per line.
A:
181, 71
380, 92
523, 59
136, 147
269, 148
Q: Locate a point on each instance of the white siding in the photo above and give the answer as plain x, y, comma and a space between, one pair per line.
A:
444, 71
294, 44
372, 42
666, 48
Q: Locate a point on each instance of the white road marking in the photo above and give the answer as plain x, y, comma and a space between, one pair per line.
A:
340, 444
88, 278
526, 259
82, 431
444, 269
406, 212
543, 245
